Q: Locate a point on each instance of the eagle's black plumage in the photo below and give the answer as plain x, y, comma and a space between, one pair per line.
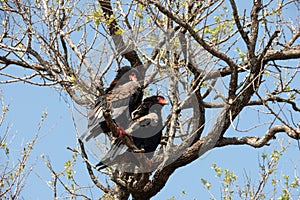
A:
147, 126
146, 130
123, 96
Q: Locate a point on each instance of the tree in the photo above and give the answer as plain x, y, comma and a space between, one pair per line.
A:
218, 60
13, 174
283, 186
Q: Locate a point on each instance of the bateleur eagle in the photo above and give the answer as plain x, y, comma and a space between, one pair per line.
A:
146, 131
123, 96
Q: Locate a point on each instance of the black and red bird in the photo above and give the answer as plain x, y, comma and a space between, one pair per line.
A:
146, 131
123, 96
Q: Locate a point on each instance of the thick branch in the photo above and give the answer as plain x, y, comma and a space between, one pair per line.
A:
113, 28
283, 54
190, 154
254, 27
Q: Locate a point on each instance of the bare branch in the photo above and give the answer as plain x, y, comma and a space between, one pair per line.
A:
89, 168
258, 142
238, 23
273, 98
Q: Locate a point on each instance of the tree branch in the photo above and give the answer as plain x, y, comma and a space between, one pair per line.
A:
273, 36
283, 54
238, 23
190, 154
113, 28
7, 61
89, 168
193, 33
258, 142
275, 98
254, 28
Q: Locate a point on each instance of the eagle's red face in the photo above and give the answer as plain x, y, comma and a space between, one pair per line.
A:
162, 101
133, 76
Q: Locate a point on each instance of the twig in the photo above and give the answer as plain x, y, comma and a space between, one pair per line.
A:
89, 168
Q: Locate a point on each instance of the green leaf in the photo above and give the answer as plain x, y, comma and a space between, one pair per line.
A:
295, 184
274, 182
292, 95
217, 18
3, 144
208, 186
97, 22
68, 164
4, 109
172, 198
69, 173
266, 73
287, 88
203, 181
264, 156
141, 6
6, 150
286, 177
119, 32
